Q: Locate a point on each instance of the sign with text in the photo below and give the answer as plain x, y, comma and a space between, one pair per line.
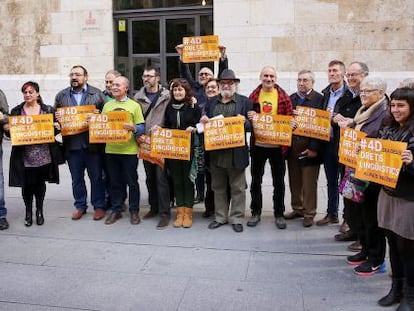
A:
380, 161
73, 119
349, 143
170, 144
145, 152
312, 122
224, 133
31, 129
272, 129
200, 49
109, 127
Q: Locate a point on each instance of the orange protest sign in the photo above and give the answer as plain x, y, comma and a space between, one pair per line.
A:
314, 123
224, 133
31, 129
170, 144
272, 129
349, 146
380, 161
145, 152
109, 127
73, 119
200, 49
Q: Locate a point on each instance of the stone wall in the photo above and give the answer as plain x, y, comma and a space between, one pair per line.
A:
42, 40
307, 34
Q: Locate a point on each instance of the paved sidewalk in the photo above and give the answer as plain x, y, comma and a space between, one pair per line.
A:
86, 265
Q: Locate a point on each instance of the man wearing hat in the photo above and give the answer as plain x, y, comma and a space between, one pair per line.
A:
271, 99
228, 165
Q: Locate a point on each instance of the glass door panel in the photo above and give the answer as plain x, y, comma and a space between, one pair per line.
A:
145, 36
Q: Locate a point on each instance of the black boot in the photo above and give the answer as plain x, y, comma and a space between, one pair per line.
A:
39, 216
394, 295
407, 302
28, 219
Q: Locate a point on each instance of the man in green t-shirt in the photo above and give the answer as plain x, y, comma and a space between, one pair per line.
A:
121, 158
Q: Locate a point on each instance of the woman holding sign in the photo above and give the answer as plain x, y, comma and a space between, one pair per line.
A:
31, 165
362, 215
182, 114
396, 205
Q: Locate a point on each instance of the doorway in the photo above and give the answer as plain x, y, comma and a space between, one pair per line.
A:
149, 39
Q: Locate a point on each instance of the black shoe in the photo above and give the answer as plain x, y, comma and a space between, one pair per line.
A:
40, 220
237, 227
28, 221
3, 224
253, 221
356, 259
395, 294
163, 223
215, 224
280, 222
345, 237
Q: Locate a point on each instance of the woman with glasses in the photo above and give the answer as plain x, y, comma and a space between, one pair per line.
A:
362, 217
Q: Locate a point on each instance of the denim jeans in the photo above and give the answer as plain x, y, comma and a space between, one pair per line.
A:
122, 171
331, 166
3, 210
78, 161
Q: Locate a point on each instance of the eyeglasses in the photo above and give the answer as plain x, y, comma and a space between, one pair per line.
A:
367, 91
204, 74
147, 76
352, 75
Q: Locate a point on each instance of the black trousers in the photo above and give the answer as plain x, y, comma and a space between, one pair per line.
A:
362, 220
34, 185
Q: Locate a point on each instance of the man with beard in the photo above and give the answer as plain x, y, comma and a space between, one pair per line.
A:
228, 165
268, 98
79, 153
154, 98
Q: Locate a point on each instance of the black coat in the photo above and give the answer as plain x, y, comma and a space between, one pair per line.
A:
16, 172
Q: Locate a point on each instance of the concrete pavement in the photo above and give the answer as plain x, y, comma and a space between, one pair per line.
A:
86, 265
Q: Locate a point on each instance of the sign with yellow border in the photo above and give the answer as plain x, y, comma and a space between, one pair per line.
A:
349, 143
145, 152
170, 144
224, 133
31, 129
109, 127
312, 122
73, 119
272, 129
380, 161
200, 49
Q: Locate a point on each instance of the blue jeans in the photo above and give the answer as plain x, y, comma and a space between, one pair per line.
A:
78, 161
3, 209
331, 166
122, 171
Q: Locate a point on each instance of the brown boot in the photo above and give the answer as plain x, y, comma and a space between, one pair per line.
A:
180, 217
188, 217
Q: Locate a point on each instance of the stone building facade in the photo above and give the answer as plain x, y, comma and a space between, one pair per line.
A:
41, 40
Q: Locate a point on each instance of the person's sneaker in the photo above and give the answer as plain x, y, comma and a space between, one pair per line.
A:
367, 269
253, 221
356, 259
328, 219
280, 223
3, 224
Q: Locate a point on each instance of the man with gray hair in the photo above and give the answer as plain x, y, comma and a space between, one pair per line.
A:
304, 156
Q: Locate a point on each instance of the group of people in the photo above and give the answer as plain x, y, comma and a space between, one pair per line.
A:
353, 97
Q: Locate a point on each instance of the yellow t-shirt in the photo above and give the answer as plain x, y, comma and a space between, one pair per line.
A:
268, 101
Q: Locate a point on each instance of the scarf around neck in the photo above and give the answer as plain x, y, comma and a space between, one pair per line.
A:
363, 114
